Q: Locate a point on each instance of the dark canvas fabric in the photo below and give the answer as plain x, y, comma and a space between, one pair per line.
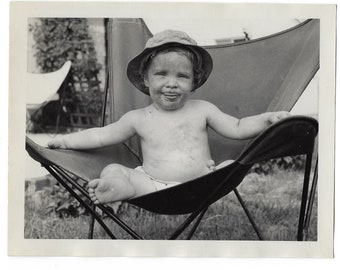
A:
291, 136
250, 78
267, 74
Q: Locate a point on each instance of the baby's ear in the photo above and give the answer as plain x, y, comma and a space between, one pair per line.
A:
146, 81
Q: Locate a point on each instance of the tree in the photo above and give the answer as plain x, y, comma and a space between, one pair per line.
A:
58, 40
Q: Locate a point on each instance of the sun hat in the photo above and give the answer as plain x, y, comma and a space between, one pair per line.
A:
163, 40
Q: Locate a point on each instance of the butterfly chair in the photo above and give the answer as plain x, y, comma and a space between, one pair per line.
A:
267, 74
43, 88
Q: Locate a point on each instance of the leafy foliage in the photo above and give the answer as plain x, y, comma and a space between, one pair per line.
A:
56, 41
61, 39
58, 201
289, 162
62, 203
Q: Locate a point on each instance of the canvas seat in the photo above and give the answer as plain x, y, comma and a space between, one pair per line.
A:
262, 75
291, 136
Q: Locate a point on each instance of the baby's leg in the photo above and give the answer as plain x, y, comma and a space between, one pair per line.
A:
117, 183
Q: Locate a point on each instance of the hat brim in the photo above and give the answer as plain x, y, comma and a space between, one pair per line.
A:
134, 66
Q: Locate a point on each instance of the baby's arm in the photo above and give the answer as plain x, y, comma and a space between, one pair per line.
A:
250, 127
97, 137
244, 128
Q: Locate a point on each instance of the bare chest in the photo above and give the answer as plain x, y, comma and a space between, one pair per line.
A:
173, 132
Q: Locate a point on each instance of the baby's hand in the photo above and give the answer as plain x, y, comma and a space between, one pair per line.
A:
56, 144
211, 165
277, 116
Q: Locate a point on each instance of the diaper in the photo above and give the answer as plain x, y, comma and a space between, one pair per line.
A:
159, 184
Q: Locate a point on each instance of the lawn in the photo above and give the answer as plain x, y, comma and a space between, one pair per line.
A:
273, 200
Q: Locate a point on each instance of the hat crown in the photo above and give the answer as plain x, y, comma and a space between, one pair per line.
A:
168, 36
161, 40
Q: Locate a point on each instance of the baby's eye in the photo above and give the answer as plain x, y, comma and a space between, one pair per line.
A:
160, 73
183, 76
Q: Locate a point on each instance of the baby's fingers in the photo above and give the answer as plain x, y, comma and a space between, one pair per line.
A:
284, 114
54, 144
211, 165
51, 145
278, 116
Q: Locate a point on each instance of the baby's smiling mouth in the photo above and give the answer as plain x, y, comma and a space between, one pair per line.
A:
170, 96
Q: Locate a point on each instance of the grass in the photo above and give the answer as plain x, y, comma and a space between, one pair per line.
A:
273, 200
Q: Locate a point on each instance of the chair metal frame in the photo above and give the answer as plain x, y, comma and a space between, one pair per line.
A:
195, 216
243, 163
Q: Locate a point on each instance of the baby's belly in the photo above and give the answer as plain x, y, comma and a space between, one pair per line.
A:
177, 166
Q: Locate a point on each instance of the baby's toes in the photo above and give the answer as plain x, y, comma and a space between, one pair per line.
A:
92, 195
93, 184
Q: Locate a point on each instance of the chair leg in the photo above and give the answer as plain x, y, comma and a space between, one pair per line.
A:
311, 198
304, 197
192, 231
91, 227
75, 195
119, 222
113, 217
248, 214
184, 225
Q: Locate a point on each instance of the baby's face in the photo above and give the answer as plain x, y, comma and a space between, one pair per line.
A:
170, 80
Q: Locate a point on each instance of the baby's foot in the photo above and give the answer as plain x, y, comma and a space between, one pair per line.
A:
106, 191
91, 187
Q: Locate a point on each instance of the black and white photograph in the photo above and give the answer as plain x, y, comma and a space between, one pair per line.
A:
206, 124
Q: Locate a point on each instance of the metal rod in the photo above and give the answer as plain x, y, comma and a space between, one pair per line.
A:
198, 220
248, 214
119, 222
304, 197
71, 181
311, 197
205, 203
91, 227
84, 192
81, 201
184, 225
59, 110
106, 87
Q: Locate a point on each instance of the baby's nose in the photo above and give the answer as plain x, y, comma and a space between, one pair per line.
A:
171, 82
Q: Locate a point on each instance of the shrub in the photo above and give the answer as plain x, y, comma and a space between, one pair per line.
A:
56, 41
289, 162
62, 202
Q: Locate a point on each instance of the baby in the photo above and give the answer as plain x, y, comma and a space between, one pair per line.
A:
172, 130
